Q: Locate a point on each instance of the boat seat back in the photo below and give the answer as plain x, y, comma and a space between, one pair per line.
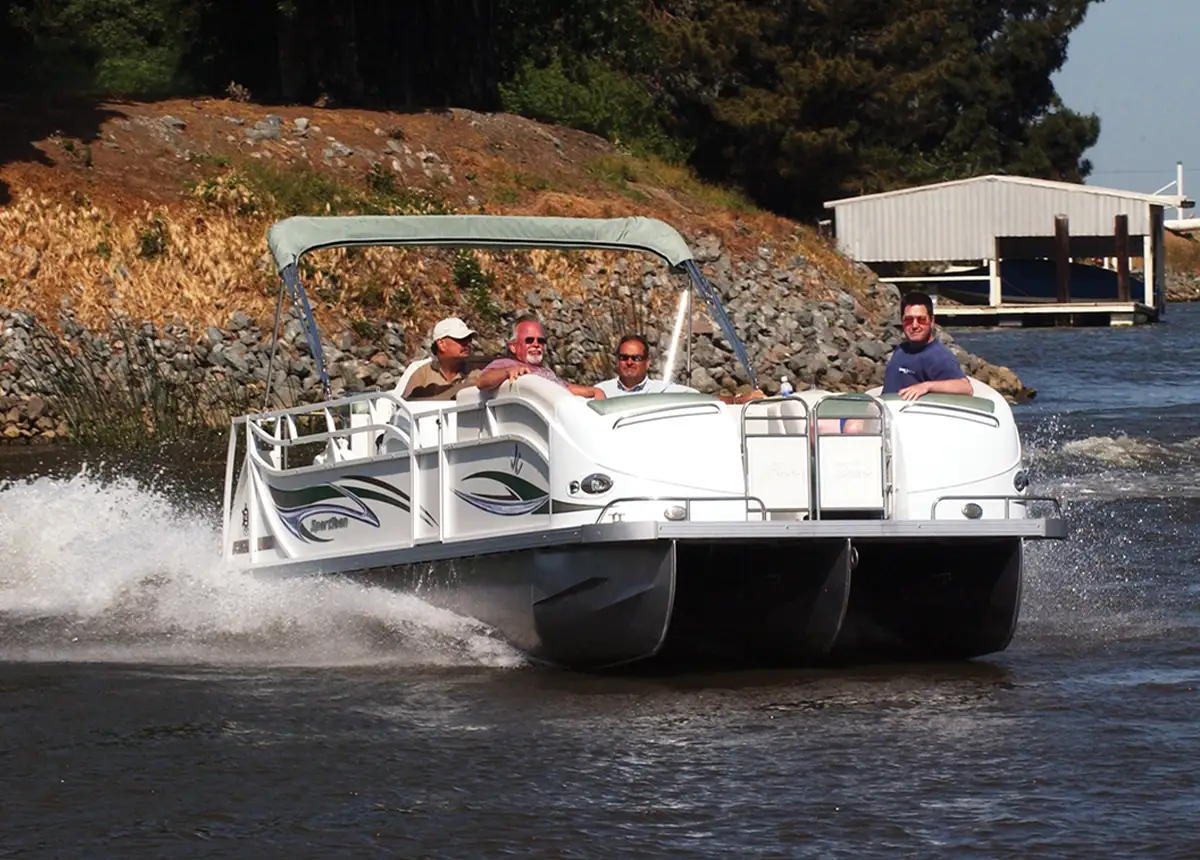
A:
383, 410
408, 373
850, 465
426, 415
518, 408
777, 457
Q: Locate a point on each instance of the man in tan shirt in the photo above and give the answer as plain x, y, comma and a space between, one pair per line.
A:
446, 375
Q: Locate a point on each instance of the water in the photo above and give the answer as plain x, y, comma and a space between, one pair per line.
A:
153, 705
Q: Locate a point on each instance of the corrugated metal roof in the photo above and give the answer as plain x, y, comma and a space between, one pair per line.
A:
1074, 187
960, 220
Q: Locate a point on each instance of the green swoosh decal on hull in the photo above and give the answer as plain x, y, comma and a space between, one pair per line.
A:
520, 488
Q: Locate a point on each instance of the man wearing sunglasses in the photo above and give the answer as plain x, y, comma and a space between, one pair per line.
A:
447, 373
922, 364
633, 365
633, 368
528, 350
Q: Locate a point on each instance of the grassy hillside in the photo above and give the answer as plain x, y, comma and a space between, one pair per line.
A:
161, 211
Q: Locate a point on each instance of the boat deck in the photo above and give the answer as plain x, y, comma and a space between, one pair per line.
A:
1032, 314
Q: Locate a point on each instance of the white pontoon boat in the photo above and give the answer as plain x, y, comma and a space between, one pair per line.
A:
592, 534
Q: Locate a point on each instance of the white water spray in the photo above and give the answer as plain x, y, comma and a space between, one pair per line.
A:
114, 571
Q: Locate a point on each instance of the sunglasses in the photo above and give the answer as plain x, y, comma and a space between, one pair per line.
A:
532, 340
635, 357
916, 320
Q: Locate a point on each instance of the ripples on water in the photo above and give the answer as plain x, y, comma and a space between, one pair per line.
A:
157, 705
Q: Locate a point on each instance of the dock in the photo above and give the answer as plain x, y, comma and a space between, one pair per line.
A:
1037, 314
1016, 251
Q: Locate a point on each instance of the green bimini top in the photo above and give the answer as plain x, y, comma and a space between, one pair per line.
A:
292, 238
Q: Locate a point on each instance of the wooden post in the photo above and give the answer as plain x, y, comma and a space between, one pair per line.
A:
994, 284
1156, 263
1062, 257
1121, 231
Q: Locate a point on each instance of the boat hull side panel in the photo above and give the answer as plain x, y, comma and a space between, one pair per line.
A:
603, 608
762, 604
940, 600
577, 606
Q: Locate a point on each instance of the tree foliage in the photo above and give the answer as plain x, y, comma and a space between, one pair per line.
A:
803, 101
797, 101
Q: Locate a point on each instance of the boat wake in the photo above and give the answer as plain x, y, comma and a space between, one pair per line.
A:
114, 571
1114, 467
1125, 573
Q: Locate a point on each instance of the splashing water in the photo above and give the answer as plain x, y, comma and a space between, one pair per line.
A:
112, 570
1130, 502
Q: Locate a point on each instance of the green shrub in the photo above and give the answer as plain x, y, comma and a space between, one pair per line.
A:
154, 240
476, 285
381, 180
299, 191
596, 98
303, 191
372, 294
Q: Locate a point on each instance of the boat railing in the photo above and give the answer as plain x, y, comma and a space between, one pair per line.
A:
681, 506
1008, 501
852, 470
351, 420
777, 454
832, 456
351, 429
284, 432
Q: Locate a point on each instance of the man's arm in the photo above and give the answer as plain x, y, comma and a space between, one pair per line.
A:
490, 379
585, 391
734, 399
962, 385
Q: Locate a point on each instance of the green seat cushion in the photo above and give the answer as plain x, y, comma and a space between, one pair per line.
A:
633, 402
962, 401
850, 406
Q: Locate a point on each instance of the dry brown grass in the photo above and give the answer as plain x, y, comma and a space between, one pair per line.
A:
1183, 253
159, 263
136, 245
198, 263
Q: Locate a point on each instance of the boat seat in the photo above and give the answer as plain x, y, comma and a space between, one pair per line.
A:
398, 390
849, 464
384, 408
776, 448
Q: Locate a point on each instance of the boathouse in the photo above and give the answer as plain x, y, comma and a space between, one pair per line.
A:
1015, 250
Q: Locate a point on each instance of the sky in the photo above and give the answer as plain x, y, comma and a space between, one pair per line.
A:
1133, 64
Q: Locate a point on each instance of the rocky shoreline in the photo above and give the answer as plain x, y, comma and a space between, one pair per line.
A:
834, 344
1183, 286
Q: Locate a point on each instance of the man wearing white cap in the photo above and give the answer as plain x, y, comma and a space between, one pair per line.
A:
446, 374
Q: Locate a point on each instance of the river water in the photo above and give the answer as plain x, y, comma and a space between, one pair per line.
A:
153, 705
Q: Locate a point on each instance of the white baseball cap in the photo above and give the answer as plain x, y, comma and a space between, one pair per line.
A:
452, 327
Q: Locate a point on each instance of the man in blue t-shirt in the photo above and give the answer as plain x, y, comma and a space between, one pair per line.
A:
922, 364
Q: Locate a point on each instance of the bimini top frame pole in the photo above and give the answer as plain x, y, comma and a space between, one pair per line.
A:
292, 238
